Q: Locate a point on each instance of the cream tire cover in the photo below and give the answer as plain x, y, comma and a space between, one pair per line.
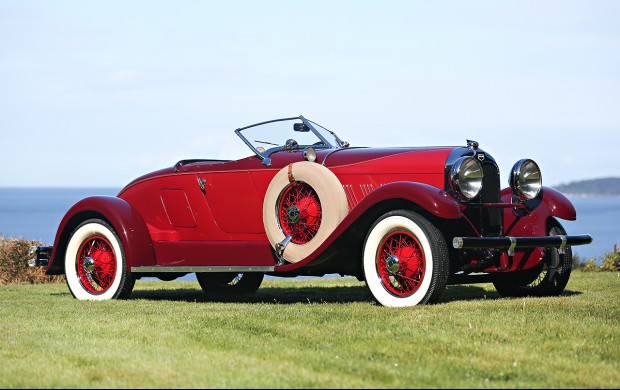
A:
332, 198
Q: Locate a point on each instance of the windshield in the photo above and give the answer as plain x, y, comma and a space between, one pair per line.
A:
289, 133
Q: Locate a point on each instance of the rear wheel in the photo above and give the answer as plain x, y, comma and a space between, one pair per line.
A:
242, 283
542, 280
405, 260
95, 264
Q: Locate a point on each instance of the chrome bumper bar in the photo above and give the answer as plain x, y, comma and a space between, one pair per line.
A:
39, 256
512, 244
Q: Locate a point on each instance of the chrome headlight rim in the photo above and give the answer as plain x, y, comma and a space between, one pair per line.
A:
466, 177
525, 179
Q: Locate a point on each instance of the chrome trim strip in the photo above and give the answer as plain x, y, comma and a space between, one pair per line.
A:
218, 268
351, 199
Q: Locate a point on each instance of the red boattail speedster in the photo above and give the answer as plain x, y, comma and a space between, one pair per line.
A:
407, 220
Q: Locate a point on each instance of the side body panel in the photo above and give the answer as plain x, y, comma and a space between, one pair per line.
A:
211, 213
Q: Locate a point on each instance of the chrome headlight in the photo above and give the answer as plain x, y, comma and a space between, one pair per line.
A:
525, 179
466, 177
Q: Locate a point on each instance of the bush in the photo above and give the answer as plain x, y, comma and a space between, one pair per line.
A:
610, 262
14, 265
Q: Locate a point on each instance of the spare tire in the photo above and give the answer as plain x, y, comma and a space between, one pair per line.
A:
306, 201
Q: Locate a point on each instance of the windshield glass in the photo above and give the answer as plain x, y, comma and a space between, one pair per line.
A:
331, 137
288, 133
273, 134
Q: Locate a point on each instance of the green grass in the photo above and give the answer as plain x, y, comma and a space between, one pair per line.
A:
311, 333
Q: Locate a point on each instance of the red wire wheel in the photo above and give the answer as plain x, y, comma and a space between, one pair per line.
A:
96, 264
400, 263
299, 212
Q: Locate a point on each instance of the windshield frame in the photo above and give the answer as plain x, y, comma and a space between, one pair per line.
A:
264, 156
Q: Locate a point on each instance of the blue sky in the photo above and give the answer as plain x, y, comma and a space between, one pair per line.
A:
96, 93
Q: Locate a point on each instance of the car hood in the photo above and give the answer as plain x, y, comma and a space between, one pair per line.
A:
429, 159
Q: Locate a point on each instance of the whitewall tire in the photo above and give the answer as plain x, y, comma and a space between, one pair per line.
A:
306, 201
95, 264
405, 260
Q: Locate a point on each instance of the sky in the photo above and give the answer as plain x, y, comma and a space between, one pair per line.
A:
97, 93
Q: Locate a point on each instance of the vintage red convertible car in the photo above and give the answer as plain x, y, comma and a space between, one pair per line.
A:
406, 220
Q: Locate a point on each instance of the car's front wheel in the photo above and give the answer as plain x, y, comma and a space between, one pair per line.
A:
95, 264
549, 278
405, 260
241, 283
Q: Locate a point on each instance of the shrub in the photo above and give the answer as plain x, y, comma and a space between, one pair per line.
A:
14, 266
610, 262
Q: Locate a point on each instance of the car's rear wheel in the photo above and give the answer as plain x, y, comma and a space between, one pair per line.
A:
95, 264
242, 283
405, 260
541, 280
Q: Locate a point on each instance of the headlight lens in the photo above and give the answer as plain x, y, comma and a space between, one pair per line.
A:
466, 177
525, 179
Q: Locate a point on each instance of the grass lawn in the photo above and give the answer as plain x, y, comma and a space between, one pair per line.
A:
323, 333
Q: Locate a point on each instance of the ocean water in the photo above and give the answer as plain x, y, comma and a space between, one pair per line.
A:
36, 213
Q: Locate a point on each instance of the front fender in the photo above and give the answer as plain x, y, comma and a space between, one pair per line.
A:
432, 199
418, 196
550, 203
558, 204
125, 220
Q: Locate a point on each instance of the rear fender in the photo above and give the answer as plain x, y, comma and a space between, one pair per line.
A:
125, 220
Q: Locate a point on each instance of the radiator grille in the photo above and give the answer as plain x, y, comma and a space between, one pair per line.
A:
488, 220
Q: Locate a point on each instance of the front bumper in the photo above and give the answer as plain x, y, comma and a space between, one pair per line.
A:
512, 244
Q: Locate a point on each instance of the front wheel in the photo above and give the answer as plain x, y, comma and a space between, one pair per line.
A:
541, 280
95, 264
405, 260
241, 283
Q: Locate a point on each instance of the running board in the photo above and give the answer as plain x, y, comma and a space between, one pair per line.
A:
189, 269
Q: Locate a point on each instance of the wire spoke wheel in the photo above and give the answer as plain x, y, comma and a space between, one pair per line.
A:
96, 264
400, 262
299, 212
549, 278
229, 282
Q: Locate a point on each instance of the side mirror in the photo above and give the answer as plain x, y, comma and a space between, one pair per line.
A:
301, 127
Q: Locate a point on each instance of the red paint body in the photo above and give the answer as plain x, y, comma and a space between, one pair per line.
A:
165, 219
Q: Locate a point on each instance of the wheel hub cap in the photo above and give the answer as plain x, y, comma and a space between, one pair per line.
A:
89, 265
392, 264
292, 214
